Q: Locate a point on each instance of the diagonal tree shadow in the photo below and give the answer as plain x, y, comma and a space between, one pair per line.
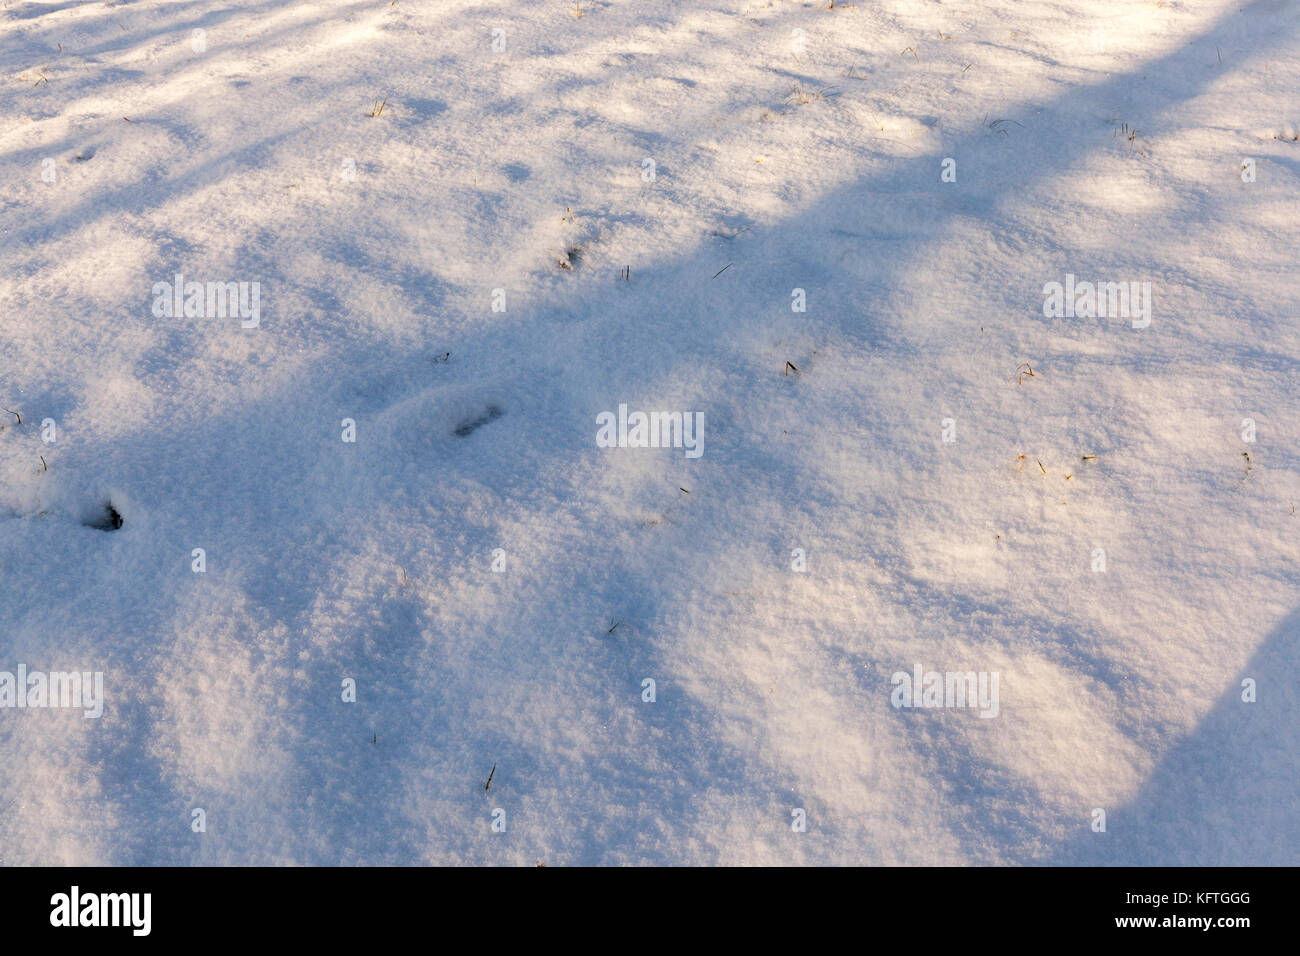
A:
1227, 794
537, 423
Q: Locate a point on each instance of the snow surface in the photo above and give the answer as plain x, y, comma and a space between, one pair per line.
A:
794, 147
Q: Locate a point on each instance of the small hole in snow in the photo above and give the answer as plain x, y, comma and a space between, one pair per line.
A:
107, 520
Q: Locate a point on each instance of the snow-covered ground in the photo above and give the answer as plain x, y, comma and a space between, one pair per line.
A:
447, 277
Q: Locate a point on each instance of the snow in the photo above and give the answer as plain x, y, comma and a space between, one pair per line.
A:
794, 147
